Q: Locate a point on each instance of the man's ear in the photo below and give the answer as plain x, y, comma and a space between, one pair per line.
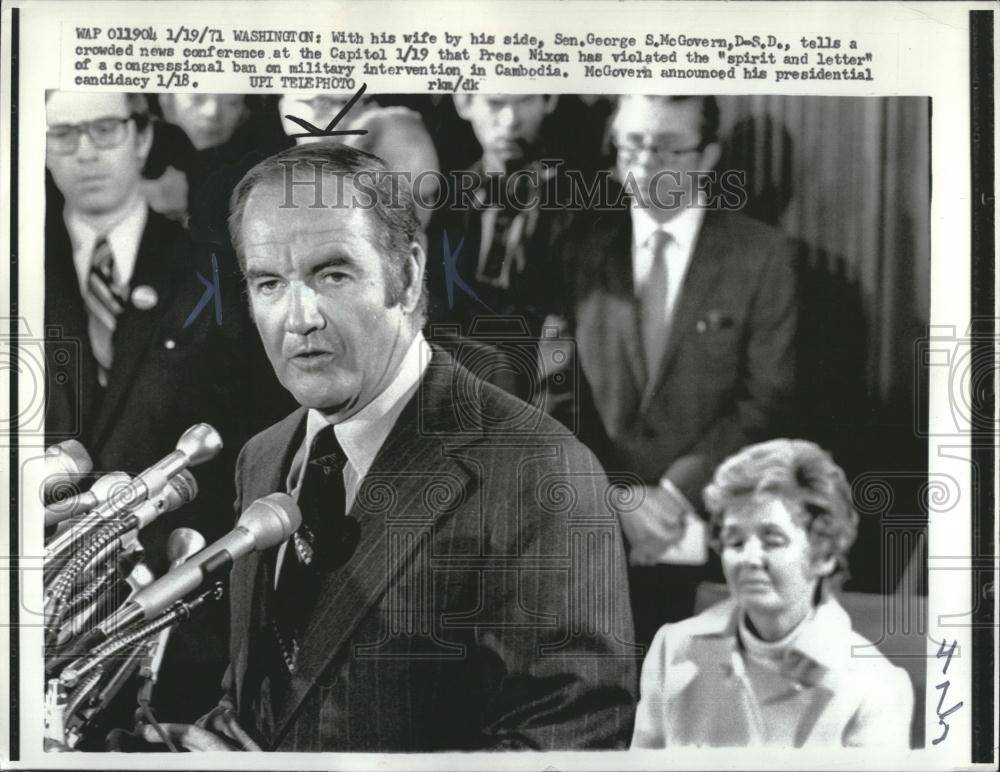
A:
463, 105
551, 100
144, 142
416, 262
710, 155
167, 108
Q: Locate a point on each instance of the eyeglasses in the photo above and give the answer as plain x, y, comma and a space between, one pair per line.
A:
104, 133
632, 150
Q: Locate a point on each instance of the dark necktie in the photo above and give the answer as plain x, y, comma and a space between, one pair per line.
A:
317, 547
507, 209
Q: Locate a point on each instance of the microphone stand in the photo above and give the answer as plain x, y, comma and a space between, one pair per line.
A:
68, 711
180, 611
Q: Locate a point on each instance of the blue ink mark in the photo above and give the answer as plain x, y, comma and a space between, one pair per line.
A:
315, 131
452, 278
212, 291
943, 688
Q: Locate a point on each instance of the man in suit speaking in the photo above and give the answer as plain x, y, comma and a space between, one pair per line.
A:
458, 579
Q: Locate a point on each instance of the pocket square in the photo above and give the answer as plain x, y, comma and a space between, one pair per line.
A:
715, 320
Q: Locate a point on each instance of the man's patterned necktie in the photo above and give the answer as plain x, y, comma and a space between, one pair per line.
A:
105, 300
315, 547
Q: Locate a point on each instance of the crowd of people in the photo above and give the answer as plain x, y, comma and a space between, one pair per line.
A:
502, 292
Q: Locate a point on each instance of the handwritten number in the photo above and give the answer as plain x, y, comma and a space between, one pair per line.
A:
946, 652
941, 653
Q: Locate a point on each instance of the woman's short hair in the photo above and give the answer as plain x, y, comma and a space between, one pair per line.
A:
801, 474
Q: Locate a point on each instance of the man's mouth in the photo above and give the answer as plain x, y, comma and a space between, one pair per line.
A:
311, 357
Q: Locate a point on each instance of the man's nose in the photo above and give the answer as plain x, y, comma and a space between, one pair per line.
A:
304, 314
86, 150
508, 117
209, 107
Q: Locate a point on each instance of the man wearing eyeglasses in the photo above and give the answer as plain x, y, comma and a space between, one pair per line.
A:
684, 316
157, 337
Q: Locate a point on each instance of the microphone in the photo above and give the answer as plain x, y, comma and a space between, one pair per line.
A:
104, 604
103, 592
99, 493
266, 523
64, 463
179, 490
197, 445
182, 545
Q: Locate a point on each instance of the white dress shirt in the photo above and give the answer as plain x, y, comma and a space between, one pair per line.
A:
363, 434
123, 237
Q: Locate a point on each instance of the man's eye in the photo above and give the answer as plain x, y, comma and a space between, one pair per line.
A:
334, 277
266, 286
105, 128
774, 542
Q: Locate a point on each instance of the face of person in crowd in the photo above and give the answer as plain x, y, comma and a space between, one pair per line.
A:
769, 564
209, 120
94, 151
506, 126
659, 145
318, 295
319, 109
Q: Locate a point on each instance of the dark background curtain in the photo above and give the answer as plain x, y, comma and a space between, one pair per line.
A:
849, 179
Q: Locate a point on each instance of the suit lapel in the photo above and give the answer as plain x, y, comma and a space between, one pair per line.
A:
608, 320
68, 407
417, 444
250, 577
702, 277
153, 268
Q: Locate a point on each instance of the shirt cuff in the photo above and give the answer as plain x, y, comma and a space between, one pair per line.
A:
674, 492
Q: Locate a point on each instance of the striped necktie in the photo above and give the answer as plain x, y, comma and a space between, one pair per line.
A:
105, 301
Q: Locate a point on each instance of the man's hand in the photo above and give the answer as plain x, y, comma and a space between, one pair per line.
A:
186, 736
217, 731
652, 526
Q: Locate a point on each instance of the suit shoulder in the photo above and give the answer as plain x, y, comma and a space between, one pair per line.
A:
278, 432
505, 415
164, 231
748, 233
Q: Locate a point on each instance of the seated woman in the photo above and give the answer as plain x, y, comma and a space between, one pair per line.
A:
774, 664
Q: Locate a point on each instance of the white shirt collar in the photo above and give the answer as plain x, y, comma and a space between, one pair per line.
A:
683, 229
683, 226
124, 237
363, 434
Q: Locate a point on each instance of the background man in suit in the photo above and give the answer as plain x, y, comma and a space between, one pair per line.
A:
684, 317
430, 599
123, 282
492, 272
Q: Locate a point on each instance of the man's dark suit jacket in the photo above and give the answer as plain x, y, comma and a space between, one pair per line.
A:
485, 606
728, 374
165, 377
535, 286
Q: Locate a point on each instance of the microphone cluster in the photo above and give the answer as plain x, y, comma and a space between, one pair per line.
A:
106, 617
